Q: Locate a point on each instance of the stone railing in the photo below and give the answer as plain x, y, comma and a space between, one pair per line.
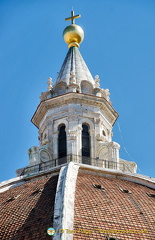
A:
77, 159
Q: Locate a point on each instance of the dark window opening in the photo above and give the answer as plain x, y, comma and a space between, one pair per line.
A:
13, 198
151, 195
62, 143
98, 186
85, 144
124, 190
36, 192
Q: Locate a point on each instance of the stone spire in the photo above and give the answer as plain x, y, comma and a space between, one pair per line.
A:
74, 63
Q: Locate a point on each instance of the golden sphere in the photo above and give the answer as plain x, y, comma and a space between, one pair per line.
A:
73, 35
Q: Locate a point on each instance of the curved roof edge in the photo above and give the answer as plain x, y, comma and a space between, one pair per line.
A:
132, 177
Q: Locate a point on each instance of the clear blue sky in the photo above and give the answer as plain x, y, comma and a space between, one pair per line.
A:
119, 46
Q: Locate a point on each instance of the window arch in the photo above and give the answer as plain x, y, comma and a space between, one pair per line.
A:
85, 144
62, 143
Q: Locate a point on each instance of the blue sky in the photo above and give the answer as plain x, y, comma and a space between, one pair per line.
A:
119, 46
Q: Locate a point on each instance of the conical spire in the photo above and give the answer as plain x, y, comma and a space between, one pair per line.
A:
74, 63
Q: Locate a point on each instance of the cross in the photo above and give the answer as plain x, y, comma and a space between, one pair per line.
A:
72, 17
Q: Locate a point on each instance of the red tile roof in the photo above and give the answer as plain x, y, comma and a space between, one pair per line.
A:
27, 211
110, 210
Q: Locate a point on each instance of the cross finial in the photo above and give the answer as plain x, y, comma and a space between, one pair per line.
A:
72, 18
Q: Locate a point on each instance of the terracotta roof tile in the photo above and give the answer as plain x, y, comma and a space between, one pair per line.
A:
110, 211
27, 211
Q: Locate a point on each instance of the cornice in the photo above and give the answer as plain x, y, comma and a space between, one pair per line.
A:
77, 98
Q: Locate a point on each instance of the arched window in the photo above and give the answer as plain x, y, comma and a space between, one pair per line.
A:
62, 143
85, 144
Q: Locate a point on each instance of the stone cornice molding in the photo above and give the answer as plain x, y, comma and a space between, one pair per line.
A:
77, 98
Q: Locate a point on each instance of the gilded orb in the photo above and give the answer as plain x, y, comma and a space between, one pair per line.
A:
73, 35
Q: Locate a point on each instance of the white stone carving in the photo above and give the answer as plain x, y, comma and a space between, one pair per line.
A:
38, 155
101, 138
72, 78
49, 84
86, 87
44, 155
97, 80
106, 94
33, 154
60, 88
130, 166
103, 154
